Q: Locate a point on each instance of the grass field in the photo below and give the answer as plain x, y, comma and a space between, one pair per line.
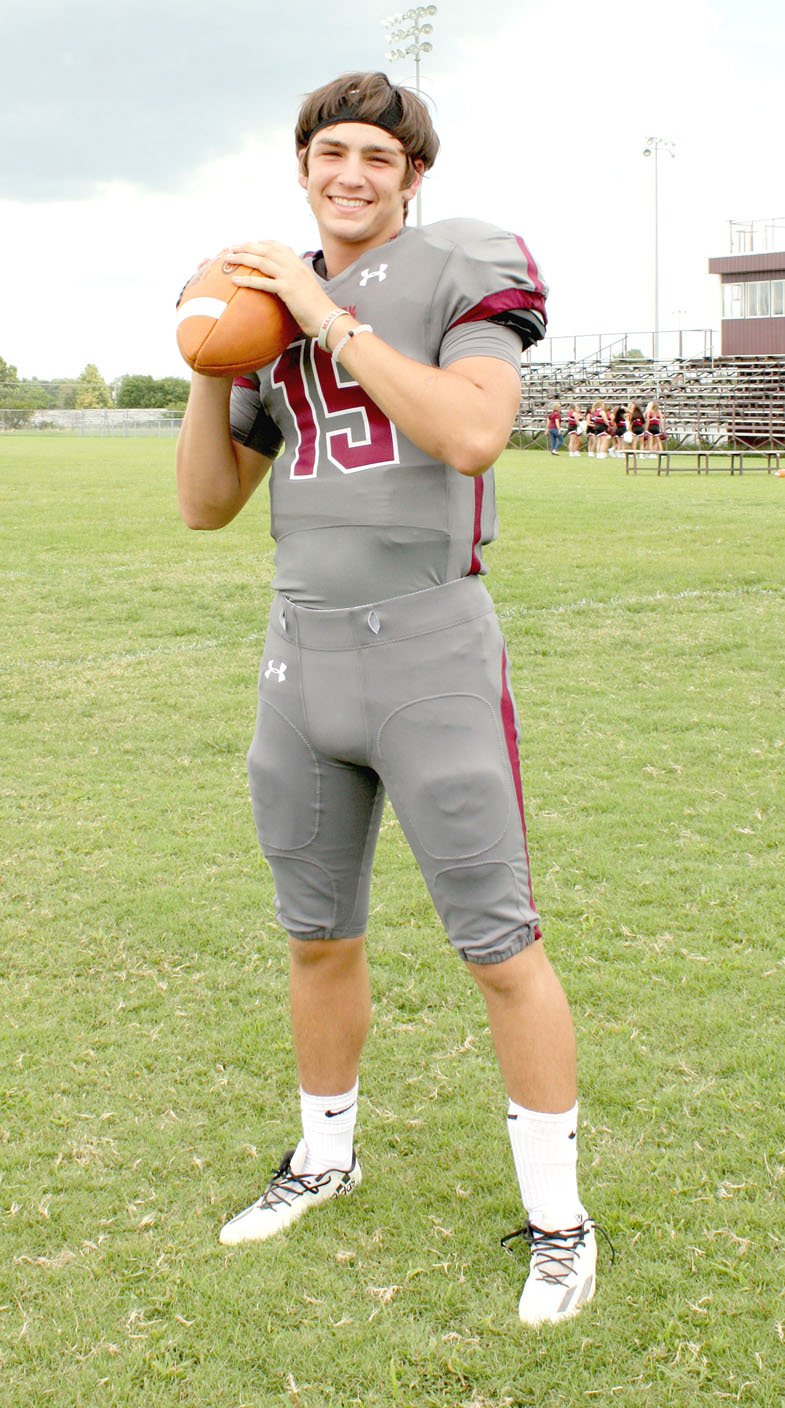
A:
146, 1076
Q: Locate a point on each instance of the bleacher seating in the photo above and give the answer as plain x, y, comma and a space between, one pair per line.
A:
719, 401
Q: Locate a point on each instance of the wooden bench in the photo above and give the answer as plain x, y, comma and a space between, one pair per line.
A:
698, 460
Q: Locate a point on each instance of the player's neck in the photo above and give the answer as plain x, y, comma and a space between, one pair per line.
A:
339, 254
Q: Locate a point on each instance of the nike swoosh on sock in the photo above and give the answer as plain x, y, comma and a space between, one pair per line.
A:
330, 1114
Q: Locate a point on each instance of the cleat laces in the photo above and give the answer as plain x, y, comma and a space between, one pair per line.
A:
554, 1253
285, 1186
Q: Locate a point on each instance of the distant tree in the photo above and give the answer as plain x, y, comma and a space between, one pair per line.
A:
633, 355
174, 392
19, 395
136, 391
40, 393
66, 395
171, 392
92, 392
23, 395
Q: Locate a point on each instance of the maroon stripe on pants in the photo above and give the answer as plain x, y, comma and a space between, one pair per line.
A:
511, 740
478, 495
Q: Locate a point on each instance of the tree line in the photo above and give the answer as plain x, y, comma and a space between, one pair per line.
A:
90, 392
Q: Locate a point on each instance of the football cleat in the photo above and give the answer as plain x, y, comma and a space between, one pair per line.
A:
562, 1273
287, 1196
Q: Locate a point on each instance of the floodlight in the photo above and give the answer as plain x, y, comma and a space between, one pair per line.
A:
408, 32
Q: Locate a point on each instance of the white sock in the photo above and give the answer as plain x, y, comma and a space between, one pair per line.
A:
545, 1151
328, 1129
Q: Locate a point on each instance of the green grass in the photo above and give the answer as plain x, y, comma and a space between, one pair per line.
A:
146, 1076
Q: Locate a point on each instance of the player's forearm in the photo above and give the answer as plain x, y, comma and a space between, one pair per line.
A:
459, 418
208, 478
456, 418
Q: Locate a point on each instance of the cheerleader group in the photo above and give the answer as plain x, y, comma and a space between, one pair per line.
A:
606, 432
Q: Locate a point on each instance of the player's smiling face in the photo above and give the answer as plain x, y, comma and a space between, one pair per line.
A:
355, 182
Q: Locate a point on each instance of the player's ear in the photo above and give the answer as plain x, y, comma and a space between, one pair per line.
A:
414, 178
302, 166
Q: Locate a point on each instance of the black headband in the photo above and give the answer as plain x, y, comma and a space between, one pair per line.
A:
390, 119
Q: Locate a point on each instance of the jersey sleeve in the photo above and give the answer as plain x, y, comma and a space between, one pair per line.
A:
490, 276
250, 424
484, 339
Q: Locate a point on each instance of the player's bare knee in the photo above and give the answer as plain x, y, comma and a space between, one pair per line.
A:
513, 976
333, 955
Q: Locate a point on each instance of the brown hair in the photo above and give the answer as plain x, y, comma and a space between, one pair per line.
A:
372, 98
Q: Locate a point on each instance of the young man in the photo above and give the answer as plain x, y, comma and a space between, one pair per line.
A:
384, 669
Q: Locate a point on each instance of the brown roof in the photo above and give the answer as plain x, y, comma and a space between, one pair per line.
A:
748, 264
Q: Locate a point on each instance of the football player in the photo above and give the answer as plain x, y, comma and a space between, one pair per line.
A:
384, 670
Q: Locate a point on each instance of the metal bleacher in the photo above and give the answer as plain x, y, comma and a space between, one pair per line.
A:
706, 401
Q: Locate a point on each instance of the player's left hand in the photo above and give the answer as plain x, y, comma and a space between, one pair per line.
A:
283, 272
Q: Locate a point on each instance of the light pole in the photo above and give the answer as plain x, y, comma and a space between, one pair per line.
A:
678, 314
410, 29
653, 147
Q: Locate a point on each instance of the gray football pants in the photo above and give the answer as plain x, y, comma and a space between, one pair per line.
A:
410, 697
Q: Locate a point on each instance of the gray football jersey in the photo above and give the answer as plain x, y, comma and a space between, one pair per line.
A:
358, 512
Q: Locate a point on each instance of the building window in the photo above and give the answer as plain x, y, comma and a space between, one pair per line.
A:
759, 299
757, 302
733, 300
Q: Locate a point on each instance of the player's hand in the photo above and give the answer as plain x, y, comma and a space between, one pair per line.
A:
283, 272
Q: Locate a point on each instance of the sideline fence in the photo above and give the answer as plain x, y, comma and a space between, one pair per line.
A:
147, 422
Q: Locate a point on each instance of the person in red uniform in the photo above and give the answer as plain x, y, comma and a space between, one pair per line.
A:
653, 427
573, 431
637, 424
601, 428
555, 439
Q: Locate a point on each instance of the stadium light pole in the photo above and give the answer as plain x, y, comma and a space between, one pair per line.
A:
410, 28
654, 145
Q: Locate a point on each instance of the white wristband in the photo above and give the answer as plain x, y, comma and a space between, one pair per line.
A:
321, 337
364, 327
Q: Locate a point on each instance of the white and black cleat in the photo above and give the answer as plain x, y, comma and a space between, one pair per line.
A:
288, 1195
562, 1272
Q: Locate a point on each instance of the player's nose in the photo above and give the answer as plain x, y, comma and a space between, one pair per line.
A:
352, 172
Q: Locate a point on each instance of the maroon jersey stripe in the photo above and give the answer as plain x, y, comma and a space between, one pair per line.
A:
531, 267
246, 382
507, 300
511, 741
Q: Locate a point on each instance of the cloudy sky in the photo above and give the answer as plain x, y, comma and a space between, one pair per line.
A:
137, 139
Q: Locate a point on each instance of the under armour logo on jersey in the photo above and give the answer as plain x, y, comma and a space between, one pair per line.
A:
380, 274
278, 670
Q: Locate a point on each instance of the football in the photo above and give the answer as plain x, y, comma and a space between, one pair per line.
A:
222, 329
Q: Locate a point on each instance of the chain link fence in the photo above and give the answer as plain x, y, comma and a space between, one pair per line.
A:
147, 422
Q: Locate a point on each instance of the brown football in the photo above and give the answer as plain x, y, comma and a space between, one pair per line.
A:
223, 329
